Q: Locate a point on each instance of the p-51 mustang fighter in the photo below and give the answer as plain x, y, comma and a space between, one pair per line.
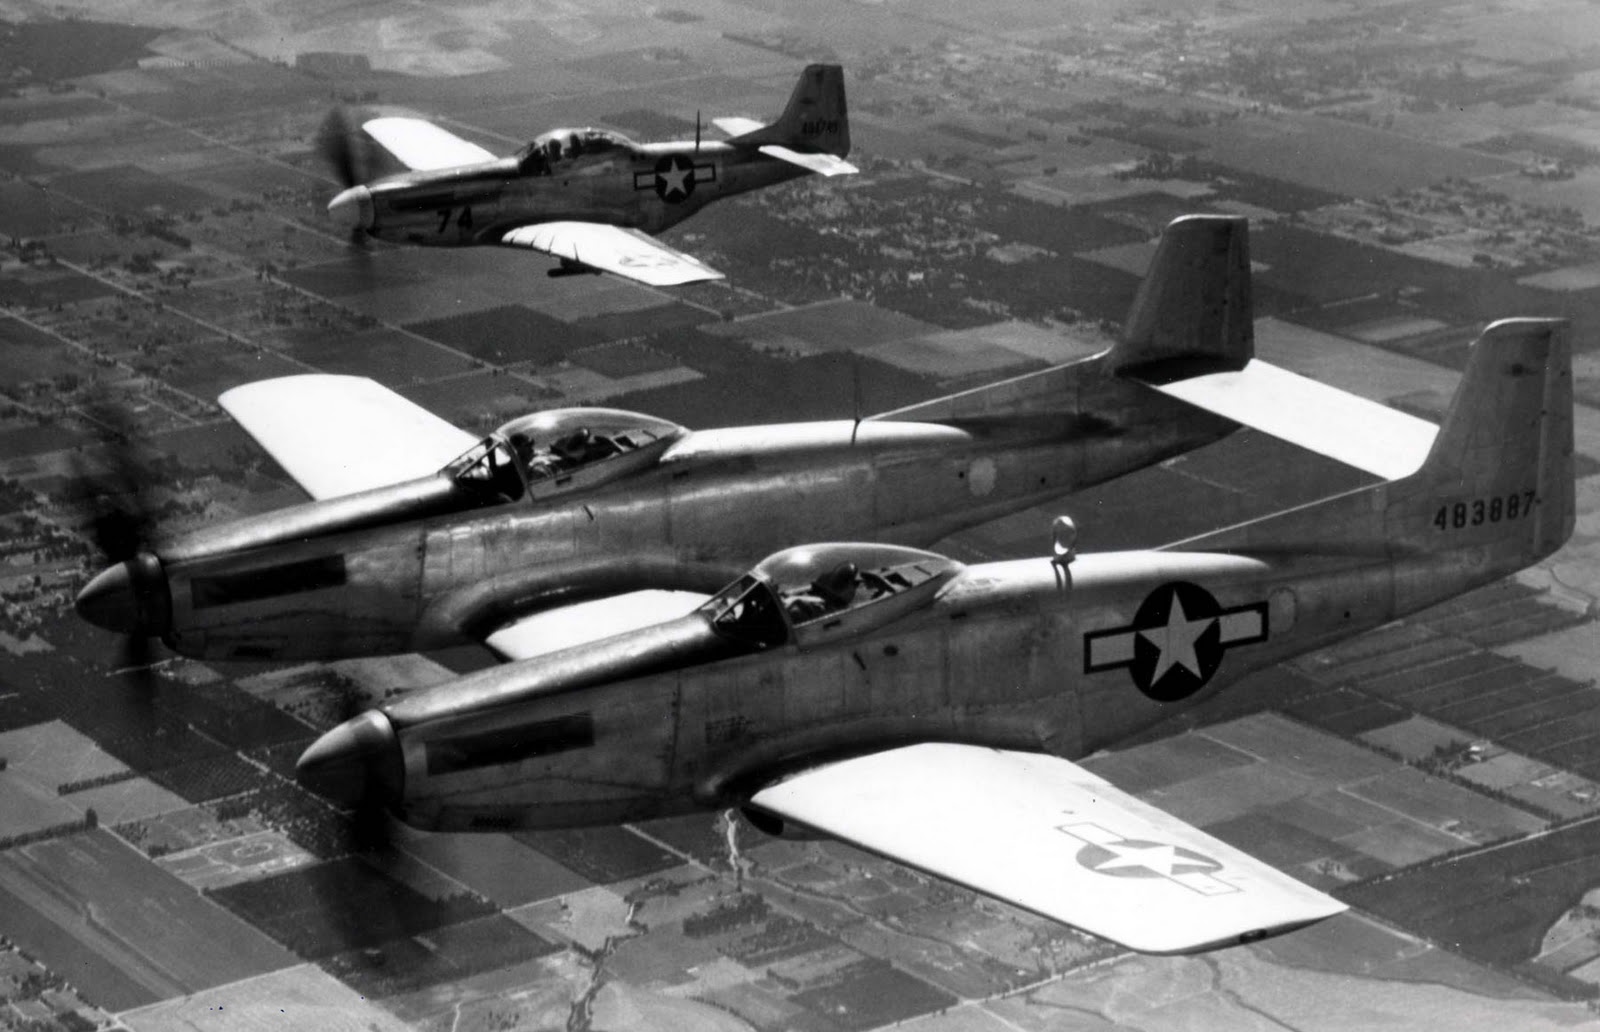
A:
586, 196
423, 537
929, 711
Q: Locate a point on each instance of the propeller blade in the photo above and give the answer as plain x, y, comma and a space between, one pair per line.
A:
336, 142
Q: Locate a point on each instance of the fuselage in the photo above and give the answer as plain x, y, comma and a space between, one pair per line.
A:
644, 186
1024, 655
429, 564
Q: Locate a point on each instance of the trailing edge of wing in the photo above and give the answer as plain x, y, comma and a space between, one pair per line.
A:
623, 252
1343, 426
583, 622
336, 435
1047, 835
824, 164
422, 146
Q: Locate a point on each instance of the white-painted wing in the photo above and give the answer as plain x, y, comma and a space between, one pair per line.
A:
624, 252
824, 164
738, 126
1047, 835
336, 435
583, 622
1343, 426
422, 146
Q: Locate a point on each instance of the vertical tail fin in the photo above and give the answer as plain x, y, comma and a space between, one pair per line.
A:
1193, 312
1504, 450
1191, 316
1498, 479
815, 119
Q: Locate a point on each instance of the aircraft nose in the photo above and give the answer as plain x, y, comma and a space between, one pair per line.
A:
352, 208
128, 598
357, 762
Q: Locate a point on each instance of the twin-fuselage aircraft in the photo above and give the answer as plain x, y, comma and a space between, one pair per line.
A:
930, 711
423, 537
589, 197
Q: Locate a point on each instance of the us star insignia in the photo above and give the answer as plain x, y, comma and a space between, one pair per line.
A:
675, 177
1106, 852
1176, 641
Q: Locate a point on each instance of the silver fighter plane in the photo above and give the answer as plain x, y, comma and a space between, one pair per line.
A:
930, 711
589, 197
589, 520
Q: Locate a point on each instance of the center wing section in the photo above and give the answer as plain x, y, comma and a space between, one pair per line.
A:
422, 146
1365, 434
623, 252
337, 435
1047, 835
552, 630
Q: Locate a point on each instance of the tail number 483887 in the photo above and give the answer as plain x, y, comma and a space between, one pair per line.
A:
1477, 511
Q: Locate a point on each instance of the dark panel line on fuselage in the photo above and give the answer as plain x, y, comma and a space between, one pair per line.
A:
267, 582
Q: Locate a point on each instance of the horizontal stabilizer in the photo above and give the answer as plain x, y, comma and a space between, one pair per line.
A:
738, 126
1045, 834
337, 435
583, 622
823, 164
1343, 426
422, 146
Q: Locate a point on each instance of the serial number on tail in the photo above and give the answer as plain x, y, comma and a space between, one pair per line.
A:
1478, 511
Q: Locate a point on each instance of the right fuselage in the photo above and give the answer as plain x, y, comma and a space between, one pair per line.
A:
1021, 655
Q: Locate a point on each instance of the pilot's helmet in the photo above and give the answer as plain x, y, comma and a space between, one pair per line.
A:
838, 585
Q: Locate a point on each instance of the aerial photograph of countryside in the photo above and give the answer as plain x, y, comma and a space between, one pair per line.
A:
1410, 172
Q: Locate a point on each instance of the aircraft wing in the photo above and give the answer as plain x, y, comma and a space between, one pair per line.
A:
582, 622
823, 164
422, 146
1343, 426
624, 252
336, 435
1047, 835
738, 126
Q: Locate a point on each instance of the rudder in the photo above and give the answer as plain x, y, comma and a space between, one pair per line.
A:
1498, 478
1193, 311
815, 119
1191, 316
1504, 454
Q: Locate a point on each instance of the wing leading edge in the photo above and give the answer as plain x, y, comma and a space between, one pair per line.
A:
1047, 835
580, 623
622, 252
337, 435
422, 146
1346, 427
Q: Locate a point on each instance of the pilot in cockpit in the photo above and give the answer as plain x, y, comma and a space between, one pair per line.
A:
832, 591
584, 445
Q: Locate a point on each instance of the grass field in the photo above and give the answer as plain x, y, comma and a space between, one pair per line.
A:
304, 996
321, 910
92, 894
602, 855
498, 867
1475, 902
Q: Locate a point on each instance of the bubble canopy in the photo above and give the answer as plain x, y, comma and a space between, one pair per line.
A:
545, 451
562, 145
812, 588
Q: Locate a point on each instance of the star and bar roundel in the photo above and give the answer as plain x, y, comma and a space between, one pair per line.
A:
1106, 852
1176, 641
675, 177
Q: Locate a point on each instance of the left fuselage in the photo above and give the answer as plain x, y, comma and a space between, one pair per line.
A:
649, 187
716, 501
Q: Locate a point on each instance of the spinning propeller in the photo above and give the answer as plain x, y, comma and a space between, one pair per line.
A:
130, 597
344, 148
